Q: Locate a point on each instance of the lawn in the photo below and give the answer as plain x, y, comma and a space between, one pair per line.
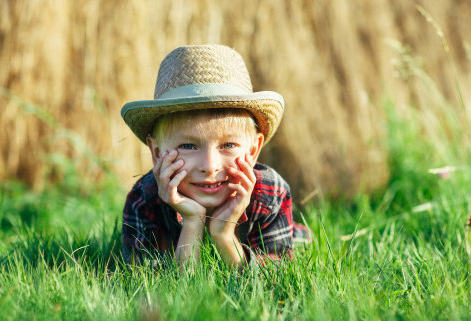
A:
401, 253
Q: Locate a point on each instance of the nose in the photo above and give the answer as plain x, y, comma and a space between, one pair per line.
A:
211, 161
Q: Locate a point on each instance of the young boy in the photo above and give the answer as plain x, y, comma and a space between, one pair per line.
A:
205, 129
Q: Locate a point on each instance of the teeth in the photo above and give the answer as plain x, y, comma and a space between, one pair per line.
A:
210, 186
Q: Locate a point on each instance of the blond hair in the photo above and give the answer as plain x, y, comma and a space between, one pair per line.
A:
219, 120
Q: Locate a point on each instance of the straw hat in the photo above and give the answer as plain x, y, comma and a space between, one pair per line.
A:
202, 77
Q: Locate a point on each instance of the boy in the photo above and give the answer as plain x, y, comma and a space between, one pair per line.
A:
205, 129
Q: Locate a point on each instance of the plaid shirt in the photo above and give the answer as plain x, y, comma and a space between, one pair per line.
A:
265, 229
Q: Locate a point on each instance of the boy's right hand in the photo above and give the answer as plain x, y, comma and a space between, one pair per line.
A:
167, 181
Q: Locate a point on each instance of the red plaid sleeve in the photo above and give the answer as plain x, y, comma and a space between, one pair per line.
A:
150, 226
269, 216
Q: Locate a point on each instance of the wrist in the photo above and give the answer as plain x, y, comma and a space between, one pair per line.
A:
221, 230
193, 222
189, 242
230, 248
223, 236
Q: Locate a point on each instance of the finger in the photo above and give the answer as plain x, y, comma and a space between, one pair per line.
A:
248, 176
239, 189
232, 171
168, 172
247, 168
169, 158
240, 177
249, 159
177, 179
173, 184
158, 165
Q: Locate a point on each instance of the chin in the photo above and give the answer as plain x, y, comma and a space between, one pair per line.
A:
210, 203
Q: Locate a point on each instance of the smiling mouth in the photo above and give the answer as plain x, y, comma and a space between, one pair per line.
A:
210, 186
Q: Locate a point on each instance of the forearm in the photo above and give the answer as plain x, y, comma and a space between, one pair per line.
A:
230, 249
189, 242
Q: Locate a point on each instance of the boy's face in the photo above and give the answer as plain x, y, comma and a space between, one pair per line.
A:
207, 155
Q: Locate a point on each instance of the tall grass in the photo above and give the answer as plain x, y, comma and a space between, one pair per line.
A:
408, 266
379, 256
81, 61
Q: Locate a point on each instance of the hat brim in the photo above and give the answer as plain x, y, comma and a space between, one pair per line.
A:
266, 106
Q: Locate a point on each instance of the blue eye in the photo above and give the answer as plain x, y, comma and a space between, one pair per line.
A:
229, 145
187, 146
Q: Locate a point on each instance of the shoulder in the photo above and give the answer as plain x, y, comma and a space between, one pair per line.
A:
143, 200
269, 185
145, 188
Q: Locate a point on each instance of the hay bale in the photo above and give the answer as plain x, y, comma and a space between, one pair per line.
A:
68, 67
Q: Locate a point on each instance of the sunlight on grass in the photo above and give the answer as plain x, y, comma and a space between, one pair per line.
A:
401, 253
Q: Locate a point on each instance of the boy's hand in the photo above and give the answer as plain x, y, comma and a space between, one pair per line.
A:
225, 217
165, 173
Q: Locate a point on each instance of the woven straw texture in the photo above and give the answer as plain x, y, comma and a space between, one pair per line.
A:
204, 64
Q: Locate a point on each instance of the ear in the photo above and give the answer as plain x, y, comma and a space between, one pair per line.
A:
154, 149
256, 147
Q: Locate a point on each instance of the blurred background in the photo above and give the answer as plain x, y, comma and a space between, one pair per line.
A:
347, 69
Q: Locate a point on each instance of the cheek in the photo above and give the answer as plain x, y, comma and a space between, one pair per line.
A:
240, 154
188, 165
230, 161
190, 162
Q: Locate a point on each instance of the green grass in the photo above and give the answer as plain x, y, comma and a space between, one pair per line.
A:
60, 252
407, 266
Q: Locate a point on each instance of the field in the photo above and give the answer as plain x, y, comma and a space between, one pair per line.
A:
402, 253
376, 143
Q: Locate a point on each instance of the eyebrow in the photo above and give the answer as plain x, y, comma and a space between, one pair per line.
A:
187, 137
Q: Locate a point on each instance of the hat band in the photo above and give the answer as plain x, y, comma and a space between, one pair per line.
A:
202, 90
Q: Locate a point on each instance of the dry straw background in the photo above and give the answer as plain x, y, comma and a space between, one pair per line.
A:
67, 67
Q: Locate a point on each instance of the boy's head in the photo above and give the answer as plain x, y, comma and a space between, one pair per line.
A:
203, 77
208, 142
204, 110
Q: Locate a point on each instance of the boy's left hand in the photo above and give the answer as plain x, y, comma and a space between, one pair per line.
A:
225, 217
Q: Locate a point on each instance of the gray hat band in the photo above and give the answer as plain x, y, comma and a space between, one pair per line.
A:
203, 90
